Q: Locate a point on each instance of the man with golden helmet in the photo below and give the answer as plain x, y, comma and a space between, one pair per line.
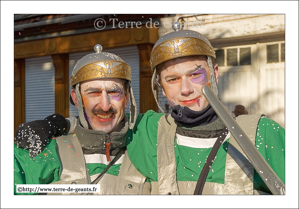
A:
95, 152
191, 151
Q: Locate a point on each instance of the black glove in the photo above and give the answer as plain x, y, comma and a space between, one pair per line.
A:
36, 134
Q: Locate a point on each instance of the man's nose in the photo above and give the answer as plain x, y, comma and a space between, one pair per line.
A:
186, 87
105, 101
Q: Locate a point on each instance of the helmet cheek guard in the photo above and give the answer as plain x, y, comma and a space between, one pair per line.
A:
181, 43
100, 65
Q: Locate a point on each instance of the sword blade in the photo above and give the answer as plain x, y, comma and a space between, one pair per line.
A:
270, 178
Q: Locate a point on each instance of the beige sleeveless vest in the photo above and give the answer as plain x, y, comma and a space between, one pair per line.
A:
238, 170
74, 171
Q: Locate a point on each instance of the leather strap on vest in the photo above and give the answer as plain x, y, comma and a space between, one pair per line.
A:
203, 175
166, 163
108, 166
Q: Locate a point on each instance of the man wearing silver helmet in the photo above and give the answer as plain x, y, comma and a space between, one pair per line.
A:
95, 152
191, 151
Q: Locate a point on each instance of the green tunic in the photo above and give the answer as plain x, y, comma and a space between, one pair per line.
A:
46, 167
142, 150
190, 158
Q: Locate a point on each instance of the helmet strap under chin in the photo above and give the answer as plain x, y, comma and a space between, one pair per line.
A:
80, 107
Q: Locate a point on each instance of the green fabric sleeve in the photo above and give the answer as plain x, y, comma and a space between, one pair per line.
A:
45, 168
19, 174
270, 141
142, 150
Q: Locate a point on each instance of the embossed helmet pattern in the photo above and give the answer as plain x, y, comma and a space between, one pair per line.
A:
100, 65
180, 43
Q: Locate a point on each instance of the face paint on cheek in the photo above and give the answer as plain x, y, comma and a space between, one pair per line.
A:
198, 102
115, 93
208, 79
202, 78
87, 118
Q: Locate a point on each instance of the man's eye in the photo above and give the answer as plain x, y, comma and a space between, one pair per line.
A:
114, 93
195, 75
94, 93
172, 80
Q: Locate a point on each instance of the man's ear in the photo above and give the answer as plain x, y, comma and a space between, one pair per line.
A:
74, 97
216, 72
161, 87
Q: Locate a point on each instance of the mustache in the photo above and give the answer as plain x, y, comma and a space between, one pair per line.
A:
101, 111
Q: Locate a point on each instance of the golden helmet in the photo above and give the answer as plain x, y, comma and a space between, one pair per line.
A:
180, 43
100, 65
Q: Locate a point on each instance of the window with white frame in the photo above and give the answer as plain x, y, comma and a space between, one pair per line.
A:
275, 52
238, 56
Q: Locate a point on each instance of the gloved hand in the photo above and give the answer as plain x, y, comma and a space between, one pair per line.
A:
36, 134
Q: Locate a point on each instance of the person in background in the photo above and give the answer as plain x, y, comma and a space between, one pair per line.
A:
239, 110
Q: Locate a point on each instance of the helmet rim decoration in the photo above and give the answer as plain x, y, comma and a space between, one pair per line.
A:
100, 65
100, 70
181, 43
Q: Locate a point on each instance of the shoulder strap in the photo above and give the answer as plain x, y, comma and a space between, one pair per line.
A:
166, 163
239, 171
248, 123
206, 168
72, 160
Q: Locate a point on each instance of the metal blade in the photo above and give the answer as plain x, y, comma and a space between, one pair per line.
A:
270, 178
